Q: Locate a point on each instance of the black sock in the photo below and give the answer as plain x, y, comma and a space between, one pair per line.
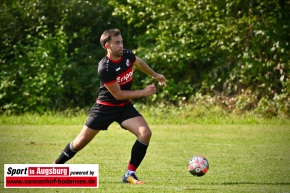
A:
67, 153
138, 153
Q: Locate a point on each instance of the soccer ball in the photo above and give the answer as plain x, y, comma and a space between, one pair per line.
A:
198, 165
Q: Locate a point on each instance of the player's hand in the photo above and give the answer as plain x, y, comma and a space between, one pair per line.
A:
161, 79
149, 90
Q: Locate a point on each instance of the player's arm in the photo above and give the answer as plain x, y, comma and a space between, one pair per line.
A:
142, 66
115, 90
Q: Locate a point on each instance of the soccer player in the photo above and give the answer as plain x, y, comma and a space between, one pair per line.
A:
115, 72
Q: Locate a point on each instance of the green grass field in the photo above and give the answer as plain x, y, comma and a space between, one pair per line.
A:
243, 157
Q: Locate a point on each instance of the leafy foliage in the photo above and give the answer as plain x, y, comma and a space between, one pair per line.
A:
48, 61
236, 52
215, 47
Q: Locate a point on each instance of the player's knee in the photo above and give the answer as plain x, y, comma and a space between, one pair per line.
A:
150, 134
147, 134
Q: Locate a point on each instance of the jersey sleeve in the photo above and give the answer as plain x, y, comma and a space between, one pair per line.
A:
106, 75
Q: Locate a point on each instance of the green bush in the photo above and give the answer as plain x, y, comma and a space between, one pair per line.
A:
34, 77
235, 52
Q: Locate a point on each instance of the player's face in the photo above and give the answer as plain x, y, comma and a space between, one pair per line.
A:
116, 46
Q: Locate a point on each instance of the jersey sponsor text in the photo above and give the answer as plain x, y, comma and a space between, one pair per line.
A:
126, 77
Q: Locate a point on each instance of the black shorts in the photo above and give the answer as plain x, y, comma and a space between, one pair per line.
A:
101, 116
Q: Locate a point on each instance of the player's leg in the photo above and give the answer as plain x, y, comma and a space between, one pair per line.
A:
139, 127
96, 121
83, 138
141, 130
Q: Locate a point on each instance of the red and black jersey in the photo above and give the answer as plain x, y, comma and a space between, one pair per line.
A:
111, 71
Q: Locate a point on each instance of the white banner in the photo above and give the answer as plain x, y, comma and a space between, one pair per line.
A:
51, 175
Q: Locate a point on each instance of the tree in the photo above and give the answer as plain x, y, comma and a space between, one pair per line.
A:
211, 47
50, 51
237, 49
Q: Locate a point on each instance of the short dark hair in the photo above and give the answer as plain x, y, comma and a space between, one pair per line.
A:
107, 36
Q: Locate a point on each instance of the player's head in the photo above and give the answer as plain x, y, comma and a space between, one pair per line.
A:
107, 36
